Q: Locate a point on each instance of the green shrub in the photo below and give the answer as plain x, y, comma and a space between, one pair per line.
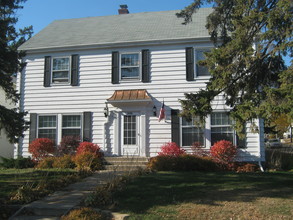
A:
277, 159
46, 163
84, 214
19, 163
183, 162
63, 162
88, 161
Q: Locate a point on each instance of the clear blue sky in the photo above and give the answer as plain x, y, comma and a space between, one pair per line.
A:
40, 13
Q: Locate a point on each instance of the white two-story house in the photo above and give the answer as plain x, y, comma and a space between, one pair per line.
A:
105, 79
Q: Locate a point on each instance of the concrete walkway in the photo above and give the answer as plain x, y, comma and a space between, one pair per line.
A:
61, 202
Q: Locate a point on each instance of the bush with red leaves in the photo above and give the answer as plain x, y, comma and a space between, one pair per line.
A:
41, 148
199, 150
88, 147
171, 149
224, 152
69, 144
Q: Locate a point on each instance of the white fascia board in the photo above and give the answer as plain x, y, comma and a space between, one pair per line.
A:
115, 45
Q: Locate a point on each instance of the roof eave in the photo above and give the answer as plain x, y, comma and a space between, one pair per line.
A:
113, 45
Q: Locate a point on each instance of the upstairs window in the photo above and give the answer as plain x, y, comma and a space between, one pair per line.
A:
201, 70
61, 70
130, 66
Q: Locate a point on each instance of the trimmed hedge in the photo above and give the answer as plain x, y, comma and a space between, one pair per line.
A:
183, 162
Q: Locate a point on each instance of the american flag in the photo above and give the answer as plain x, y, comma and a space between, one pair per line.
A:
162, 112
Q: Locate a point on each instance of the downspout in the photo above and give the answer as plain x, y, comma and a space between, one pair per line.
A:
20, 85
260, 145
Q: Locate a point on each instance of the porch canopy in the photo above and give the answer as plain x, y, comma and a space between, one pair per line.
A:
132, 97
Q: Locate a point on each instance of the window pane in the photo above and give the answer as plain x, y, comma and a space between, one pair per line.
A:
61, 64
220, 118
129, 60
47, 121
221, 136
47, 133
132, 72
129, 130
201, 70
71, 132
71, 121
193, 134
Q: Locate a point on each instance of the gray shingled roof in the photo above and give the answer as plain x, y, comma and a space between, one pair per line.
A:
105, 30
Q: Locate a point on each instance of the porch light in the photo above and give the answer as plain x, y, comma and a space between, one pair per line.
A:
155, 110
106, 110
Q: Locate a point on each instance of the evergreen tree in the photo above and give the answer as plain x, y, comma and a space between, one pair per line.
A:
247, 68
12, 120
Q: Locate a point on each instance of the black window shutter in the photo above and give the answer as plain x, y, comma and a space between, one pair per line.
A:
115, 67
47, 73
74, 69
33, 127
175, 126
145, 66
87, 126
189, 52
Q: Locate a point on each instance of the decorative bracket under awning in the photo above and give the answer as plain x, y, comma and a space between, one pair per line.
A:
132, 97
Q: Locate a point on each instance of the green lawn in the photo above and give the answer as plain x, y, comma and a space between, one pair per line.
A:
12, 179
198, 195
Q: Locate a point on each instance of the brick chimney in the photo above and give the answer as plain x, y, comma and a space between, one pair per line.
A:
123, 10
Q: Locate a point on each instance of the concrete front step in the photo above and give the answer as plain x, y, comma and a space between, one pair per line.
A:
125, 163
129, 159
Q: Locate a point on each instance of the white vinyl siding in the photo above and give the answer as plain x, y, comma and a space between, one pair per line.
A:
167, 81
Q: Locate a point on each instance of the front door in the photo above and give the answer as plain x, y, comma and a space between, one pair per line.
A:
130, 134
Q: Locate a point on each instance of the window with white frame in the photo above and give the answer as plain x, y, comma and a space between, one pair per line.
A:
130, 66
47, 127
221, 127
71, 125
57, 126
201, 70
192, 131
61, 70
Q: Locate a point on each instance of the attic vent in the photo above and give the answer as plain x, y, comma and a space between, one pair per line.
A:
123, 10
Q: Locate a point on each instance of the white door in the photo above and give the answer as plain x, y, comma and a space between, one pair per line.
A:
130, 134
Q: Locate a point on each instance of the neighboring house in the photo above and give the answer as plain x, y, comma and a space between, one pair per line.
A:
123, 67
6, 148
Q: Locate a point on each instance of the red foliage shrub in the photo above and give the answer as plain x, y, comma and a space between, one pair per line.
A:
41, 148
88, 147
198, 150
171, 149
224, 152
69, 144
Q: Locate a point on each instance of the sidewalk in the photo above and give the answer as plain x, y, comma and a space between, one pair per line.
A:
59, 203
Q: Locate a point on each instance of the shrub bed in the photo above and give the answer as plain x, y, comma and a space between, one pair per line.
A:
184, 162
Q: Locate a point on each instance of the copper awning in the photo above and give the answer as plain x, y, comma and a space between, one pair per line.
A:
130, 96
